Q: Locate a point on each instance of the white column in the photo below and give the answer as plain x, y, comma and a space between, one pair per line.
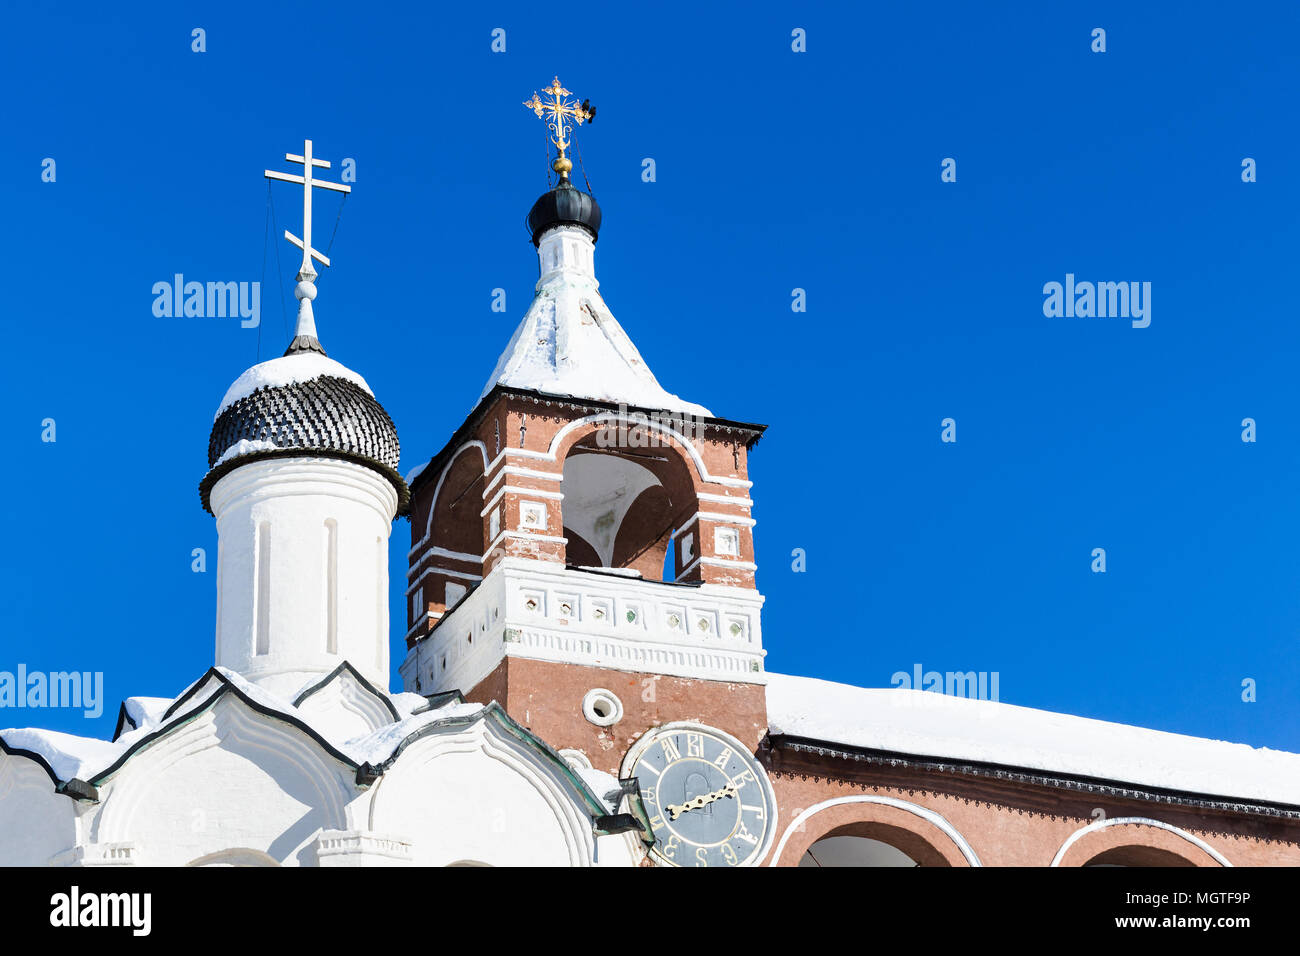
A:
566, 249
303, 570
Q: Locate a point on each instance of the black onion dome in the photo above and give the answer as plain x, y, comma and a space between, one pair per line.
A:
565, 205
327, 417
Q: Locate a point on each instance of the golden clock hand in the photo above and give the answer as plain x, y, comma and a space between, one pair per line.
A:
677, 809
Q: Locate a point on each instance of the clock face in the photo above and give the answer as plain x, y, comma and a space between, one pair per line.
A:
709, 801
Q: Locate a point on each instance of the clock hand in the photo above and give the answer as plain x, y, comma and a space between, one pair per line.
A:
677, 809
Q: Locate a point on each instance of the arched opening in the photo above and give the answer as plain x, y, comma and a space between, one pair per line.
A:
1135, 855
854, 851
669, 570
889, 832
1136, 841
236, 856
621, 505
872, 843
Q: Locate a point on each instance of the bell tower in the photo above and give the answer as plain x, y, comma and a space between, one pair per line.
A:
582, 548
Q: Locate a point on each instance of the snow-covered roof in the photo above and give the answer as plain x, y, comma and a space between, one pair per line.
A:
931, 724
569, 343
86, 758
288, 370
66, 756
92, 762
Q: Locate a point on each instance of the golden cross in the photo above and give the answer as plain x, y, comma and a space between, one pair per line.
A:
558, 111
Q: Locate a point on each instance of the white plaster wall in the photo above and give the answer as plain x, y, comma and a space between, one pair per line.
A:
344, 709
36, 823
468, 797
231, 778
567, 249
294, 498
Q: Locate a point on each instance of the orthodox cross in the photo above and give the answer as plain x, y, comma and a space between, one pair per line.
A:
304, 338
306, 273
560, 114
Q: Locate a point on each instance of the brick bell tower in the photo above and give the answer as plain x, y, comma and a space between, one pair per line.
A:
582, 548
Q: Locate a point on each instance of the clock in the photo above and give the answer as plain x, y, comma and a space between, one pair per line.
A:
709, 801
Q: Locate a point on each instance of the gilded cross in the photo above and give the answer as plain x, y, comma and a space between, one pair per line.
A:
560, 114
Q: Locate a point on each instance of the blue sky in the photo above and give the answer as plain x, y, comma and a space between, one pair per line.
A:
775, 170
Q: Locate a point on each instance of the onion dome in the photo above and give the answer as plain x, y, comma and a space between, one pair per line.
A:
302, 404
565, 205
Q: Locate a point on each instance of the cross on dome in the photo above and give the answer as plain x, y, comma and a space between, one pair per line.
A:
562, 114
304, 338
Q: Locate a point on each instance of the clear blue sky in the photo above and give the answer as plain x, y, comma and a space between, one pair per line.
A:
776, 170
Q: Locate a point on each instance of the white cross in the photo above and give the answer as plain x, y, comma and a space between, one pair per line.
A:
306, 272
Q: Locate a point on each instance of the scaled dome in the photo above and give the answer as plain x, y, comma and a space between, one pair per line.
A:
302, 404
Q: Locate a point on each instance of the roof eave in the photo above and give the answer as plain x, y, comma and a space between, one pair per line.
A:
1038, 776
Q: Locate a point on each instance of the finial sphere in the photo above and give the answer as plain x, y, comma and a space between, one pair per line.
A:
562, 164
304, 290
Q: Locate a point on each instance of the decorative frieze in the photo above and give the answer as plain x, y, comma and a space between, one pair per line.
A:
536, 610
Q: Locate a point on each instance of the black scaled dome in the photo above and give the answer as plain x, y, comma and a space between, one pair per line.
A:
565, 205
300, 414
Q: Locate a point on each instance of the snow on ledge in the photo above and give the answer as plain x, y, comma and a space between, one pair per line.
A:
930, 724
616, 572
288, 370
603, 785
245, 446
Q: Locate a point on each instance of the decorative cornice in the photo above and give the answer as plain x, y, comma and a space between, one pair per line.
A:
748, 431
1094, 785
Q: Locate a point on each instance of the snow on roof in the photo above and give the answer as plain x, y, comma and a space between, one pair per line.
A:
67, 755
570, 344
931, 724
288, 370
603, 785
376, 747
407, 703
144, 710
70, 756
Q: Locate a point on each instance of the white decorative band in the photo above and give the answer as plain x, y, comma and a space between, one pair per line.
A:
516, 489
